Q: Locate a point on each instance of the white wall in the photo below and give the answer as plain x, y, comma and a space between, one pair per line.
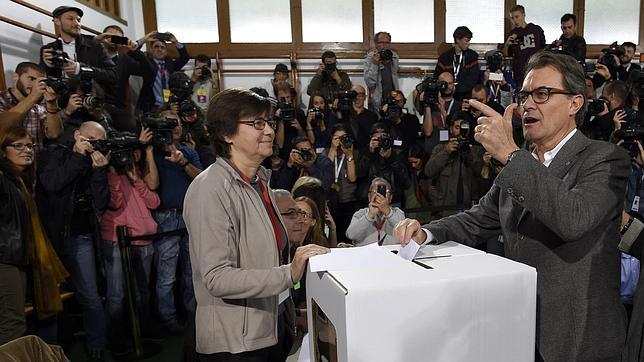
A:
19, 45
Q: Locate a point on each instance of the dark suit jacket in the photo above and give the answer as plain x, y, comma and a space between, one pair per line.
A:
563, 220
90, 54
146, 96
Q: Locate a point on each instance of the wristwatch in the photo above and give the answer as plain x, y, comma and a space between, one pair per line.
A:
349, 159
511, 156
185, 164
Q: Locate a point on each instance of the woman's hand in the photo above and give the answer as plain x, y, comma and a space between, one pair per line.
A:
302, 254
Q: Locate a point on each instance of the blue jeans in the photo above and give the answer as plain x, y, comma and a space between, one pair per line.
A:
168, 253
141, 258
79, 259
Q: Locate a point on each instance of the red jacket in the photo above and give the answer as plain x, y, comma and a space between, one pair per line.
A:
130, 204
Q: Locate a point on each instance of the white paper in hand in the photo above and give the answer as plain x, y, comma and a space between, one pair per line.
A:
409, 251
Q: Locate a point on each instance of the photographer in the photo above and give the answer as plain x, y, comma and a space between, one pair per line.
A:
21, 105
357, 118
206, 84
291, 120
523, 41
303, 161
404, 127
417, 195
177, 165
131, 199
381, 70
439, 104
319, 122
195, 134
129, 61
571, 43
462, 62
379, 160
280, 74
453, 167
479, 93
342, 197
155, 92
615, 64
609, 109
328, 79
65, 56
497, 80
72, 193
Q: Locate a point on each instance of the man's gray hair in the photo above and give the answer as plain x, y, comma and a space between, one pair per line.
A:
279, 193
572, 75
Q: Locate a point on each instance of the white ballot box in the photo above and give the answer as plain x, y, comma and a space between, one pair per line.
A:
452, 303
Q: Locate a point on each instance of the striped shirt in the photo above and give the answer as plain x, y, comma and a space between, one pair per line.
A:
34, 122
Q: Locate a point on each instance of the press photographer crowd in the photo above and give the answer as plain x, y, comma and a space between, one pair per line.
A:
238, 188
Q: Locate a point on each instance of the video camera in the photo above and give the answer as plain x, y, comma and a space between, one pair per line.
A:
431, 88
181, 88
631, 133
162, 129
121, 145
345, 99
608, 56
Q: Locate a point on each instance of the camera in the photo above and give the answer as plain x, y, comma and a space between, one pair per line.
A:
464, 138
394, 110
631, 133
431, 89
59, 85
597, 106
161, 128
181, 88
608, 58
386, 55
330, 68
494, 61
345, 99
287, 111
318, 113
306, 155
346, 141
163, 36
59, 58
121, 145
385, 142
204, 72
89, 100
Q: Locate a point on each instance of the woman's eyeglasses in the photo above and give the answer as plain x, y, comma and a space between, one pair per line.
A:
260, 123
22, 146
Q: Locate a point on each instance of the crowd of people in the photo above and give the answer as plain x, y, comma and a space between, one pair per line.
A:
246, 185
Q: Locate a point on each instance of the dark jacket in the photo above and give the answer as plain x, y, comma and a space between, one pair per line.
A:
393, 169
132, 63
563, 220
322, 168
62, 176
469, 70
15, 222
90, 54
146, 96
325, 86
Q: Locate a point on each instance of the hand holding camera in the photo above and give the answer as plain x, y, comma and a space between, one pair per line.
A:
452, 145
602, 70
175, 156
512, 40
83, 146
99, 160
73, 104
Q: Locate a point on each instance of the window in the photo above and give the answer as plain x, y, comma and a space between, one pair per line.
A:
609, 21
332, 21
547, 14
418, 24
107, 7
195, 21
260, 21
483, 17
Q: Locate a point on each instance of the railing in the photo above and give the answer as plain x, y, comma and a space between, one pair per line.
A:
49, 13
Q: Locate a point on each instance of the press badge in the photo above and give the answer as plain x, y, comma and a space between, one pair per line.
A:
636, 204
166, 95
202, 95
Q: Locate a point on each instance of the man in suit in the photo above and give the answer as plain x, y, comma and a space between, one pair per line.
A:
558, 208
155, 91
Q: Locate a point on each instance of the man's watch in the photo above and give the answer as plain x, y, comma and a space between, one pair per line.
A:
185, 164
350, 158
511, 155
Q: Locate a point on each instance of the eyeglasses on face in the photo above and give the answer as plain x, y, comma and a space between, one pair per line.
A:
294, 214
22, 146
260, 123
540, 95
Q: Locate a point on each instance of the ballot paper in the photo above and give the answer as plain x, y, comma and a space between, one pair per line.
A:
409, 251
362, 257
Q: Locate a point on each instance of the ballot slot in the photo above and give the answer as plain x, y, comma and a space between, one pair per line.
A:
325, 338
425, 266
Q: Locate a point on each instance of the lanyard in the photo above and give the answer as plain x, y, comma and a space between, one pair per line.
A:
338, 167
378, 228
449, 108
457, 66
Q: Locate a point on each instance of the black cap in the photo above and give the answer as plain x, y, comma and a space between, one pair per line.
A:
63, 9
280, 68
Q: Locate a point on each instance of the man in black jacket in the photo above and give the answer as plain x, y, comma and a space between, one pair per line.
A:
72, 192
80, 50
129, 61
462, 62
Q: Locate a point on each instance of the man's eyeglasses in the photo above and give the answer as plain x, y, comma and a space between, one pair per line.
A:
294, 214
539, 95
22, 146
260, 123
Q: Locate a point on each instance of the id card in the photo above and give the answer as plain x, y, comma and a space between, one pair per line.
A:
636, 204
202, 95
166, 95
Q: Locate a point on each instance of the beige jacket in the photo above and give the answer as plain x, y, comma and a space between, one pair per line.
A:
235, 266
